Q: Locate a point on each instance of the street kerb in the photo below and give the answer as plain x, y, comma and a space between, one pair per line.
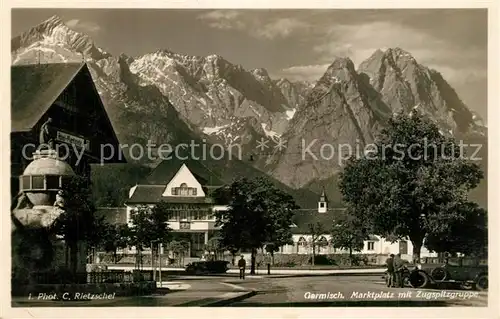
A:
234, 298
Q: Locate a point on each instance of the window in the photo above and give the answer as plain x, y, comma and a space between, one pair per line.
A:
322, 205
403, 247
38, 182
302, 241
199, 215
371, 245
25, 182
65, 181
322, 241
52, 181
184, 190
174, 216
184, 215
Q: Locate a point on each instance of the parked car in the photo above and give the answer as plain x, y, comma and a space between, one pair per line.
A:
468, 275
207, 267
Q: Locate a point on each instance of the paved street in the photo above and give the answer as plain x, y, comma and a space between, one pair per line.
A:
328, 291
349, 291
185, 291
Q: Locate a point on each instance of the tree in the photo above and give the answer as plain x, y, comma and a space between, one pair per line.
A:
412, 175
316, 231
149, 225
77, 222
278, 238
214, 245
258, 213
349, 233
233, 250
115, 237
468, 235
97, 237
179, 247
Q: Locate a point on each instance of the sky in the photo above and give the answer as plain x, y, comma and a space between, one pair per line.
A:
296, 44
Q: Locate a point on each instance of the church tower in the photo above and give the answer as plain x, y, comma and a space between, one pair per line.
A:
323, 203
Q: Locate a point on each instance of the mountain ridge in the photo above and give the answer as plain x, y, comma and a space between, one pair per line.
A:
209, 97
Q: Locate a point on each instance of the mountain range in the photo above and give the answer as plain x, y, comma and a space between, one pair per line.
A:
168, 97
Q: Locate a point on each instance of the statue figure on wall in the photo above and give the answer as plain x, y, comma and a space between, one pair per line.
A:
59, 202
47, 135
49, 219
21, 201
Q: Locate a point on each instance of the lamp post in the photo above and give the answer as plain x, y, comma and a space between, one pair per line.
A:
156, 243
159, 262
153, 268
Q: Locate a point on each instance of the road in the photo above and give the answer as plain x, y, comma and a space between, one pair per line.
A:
184, 291
286, 291
356, 291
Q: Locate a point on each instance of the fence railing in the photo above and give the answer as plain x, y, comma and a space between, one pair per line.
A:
455, 260
96, 277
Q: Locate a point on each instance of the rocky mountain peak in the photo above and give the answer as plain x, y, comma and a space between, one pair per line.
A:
260, 72
341, 70
150, 97
395, 58
125, 58
163, 52
283, 82
405, 84
214, 63
213, 57
57, 39
53, 20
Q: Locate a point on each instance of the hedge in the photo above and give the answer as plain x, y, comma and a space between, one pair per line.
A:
280, 260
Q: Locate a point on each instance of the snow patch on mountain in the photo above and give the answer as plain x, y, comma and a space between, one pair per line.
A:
215, 129
290, 113
269, 133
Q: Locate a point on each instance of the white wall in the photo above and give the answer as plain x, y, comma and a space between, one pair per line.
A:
380, 247
184, 175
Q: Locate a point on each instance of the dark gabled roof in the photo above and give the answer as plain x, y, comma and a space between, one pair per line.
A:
113, 215
303, 217
167, 169
34, 88
145, 194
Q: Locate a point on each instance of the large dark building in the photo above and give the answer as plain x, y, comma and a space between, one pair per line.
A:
65, 93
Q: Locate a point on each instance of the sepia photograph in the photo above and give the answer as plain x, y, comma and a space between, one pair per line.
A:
249, 157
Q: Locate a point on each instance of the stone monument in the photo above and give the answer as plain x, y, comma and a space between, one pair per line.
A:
40, 202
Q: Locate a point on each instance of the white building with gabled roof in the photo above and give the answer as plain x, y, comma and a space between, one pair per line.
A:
188, 191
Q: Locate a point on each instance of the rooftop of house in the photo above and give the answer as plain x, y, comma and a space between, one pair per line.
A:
166, 170
34, 88
305, 217
145, 194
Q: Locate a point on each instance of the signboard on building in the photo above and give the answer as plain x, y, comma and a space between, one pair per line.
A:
184, 225
73, 140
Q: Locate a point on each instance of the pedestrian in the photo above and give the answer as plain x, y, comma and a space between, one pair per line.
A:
390, 270
398, 268
241, 265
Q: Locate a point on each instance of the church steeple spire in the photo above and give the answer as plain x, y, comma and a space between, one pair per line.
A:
323, 203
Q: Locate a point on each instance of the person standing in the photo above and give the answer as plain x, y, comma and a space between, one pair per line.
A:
398, 268
241, 265
390, 270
